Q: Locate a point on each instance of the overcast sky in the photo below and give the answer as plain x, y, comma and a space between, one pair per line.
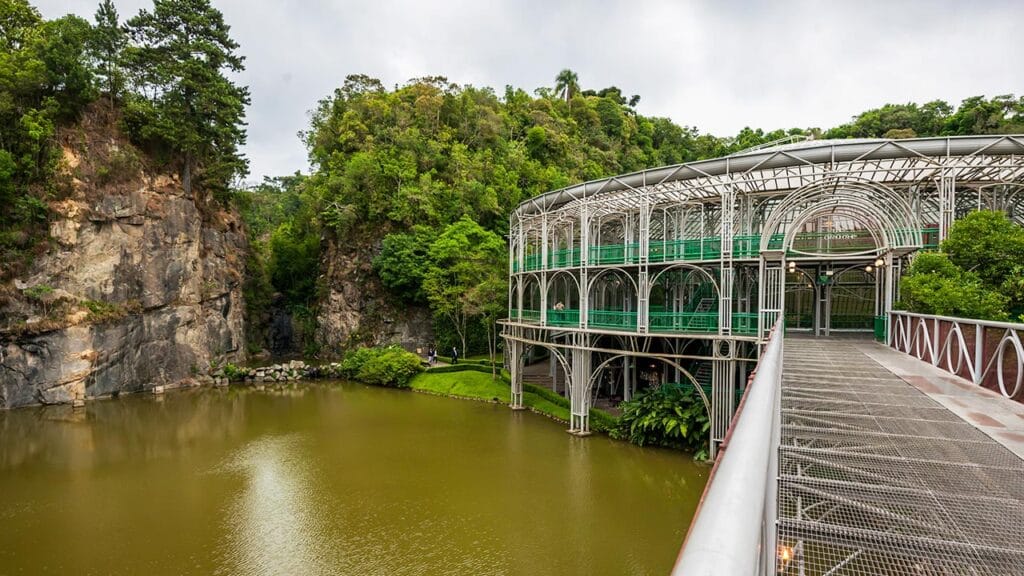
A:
716, 65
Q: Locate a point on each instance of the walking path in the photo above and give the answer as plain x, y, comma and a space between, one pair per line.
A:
890, 466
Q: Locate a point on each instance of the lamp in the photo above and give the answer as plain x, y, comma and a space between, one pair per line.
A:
830, 272
879, 262
868, 268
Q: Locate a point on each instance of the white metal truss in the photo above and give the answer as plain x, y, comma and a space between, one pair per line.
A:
737, 220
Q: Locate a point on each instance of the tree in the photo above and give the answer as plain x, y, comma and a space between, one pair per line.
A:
107, 45
464, 257
403, 261
180, 53
934, 285
567, 84
487, 301
988, 243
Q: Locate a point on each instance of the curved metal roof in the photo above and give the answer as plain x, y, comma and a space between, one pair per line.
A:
787, 157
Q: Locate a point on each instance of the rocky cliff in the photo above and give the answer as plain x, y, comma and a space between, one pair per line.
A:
140, 285
356, 309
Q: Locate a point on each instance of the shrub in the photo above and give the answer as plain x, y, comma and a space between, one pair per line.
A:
389, 366
101, 312
672, 416
935, 285
232, 372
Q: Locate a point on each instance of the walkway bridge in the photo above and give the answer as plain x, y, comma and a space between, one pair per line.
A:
851, 457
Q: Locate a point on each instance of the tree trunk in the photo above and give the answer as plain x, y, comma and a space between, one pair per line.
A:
186, 178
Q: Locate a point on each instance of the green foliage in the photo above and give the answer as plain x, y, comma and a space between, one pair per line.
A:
284, 255
101, 312
671, 415
976, 115
403, 261
979, 274
177, 59
390, 366
934, 285
107, 48
466, 269
232, 372
987, 243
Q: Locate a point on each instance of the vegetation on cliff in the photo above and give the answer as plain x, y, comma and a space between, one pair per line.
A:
165, 69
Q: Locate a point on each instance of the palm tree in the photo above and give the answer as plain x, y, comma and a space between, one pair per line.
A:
567, 84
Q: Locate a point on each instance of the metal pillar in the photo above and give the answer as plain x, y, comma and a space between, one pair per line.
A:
947, 203
726, 225
771, 297
579, 398
723, 392
515, 349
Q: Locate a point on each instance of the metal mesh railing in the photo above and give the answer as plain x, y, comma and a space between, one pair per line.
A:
733, 532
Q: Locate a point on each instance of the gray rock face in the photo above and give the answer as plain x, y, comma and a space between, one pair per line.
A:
174, 265
357, 309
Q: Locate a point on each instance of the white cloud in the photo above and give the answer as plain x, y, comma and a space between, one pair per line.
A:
715, 65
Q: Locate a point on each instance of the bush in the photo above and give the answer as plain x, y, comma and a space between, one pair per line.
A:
672, 416
389, 366
935, 285
232, 372
101, 312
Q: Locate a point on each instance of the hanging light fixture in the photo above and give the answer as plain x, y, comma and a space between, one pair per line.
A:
879, 262
868, 269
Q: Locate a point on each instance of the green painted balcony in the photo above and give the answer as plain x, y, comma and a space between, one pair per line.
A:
702, 249
563, 317
569, 257
613, 319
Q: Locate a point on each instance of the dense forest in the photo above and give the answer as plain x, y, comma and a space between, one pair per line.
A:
427, 172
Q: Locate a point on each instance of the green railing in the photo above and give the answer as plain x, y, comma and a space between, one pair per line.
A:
683, 321
612, 319
563, 317
614, 254
744, 323
533, 262
564, 258
687, 249
692, 249
530, 315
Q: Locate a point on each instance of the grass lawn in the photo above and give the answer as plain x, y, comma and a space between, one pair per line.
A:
473, 384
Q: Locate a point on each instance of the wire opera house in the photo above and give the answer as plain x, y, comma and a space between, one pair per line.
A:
677, 274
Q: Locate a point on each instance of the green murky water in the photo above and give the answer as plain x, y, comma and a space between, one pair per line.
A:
330, 479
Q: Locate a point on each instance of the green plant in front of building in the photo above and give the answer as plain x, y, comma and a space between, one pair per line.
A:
979, 272
671, 415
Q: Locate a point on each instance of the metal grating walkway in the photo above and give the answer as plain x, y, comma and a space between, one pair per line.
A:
875, 477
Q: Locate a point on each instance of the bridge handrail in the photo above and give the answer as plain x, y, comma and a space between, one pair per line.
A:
985, 352
733, 531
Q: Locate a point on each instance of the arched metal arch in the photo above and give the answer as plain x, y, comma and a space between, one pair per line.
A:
879, 202
596, 371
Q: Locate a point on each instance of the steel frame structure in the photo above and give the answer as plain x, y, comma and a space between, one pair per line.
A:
729, 231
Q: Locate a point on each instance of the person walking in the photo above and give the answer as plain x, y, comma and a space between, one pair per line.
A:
455, 355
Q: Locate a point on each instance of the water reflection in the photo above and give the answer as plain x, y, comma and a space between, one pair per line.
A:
131, 429
329, 479
276, 525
